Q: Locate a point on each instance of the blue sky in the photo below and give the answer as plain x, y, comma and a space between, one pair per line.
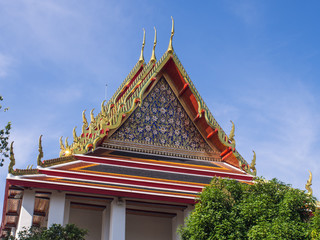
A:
253, 62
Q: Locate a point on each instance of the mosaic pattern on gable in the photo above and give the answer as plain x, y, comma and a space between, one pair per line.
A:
161, 120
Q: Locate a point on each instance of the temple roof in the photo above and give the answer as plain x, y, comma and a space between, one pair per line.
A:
132, 94
155, 140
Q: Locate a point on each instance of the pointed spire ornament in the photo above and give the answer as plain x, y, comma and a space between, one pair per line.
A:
308, 185
170, 48
141, 59
153, 55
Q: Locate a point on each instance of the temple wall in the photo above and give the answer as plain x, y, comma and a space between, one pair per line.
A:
87, 219
147, 227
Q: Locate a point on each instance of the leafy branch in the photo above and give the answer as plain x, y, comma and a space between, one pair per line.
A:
4, 137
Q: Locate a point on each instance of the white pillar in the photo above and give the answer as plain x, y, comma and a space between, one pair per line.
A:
105, 223
117, 220
66, 212
26, 212
56, 208
176, 222
13, 232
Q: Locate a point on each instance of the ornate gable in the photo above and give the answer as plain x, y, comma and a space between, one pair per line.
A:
105, 127
161, 125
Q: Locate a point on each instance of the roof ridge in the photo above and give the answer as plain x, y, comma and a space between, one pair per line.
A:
134, 69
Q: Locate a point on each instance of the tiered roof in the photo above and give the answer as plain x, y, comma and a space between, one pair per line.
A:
155, 139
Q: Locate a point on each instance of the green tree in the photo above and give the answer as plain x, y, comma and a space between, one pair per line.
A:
4, 138
228, 209
55, 232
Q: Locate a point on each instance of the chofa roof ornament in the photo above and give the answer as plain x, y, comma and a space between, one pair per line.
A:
153, 55
141, 59
170, 48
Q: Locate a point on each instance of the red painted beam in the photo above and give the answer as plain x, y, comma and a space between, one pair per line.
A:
209, 173
223, 158
212, 133
103, 192
185, 87
5, 202
225, 151
121, 181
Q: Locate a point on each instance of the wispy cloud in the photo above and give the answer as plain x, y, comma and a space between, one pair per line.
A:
247, 11
5, 64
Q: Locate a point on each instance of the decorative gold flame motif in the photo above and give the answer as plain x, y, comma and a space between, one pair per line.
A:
12, 159
103, 109
40, 155
253, 164
74, 133
231, 135
308, 185
85, 122
92, 116
61, 144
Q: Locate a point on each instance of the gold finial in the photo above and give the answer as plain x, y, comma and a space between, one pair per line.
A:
308, 185
170, 48
92, 116
12, 159
153, 55
40, 155
231, 136
253, 164
141, 59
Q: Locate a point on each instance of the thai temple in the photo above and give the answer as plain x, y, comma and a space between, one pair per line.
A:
135, 170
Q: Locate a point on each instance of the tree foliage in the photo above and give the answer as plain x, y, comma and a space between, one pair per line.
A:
4, 138
55, 232
228, 209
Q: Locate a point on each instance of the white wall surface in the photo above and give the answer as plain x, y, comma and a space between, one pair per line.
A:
148, 228
88, 219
